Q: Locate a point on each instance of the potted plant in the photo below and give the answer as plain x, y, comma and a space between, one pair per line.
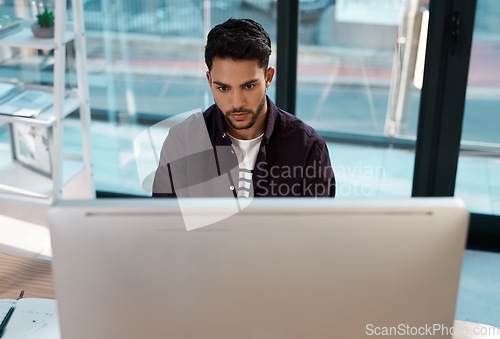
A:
44, 27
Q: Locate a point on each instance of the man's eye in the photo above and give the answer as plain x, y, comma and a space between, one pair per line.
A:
222, 88
250, 86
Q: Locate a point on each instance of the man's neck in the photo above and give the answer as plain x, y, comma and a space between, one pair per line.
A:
245, 134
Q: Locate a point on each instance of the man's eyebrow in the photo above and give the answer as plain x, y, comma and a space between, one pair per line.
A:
250, 82
221, 84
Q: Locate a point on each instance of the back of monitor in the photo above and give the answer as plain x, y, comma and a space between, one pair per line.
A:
281, 268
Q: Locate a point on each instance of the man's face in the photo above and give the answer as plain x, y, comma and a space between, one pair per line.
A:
239, 90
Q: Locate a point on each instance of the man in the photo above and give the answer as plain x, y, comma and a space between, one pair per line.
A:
243, 145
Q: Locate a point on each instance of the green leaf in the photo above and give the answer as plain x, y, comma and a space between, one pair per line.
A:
46, 19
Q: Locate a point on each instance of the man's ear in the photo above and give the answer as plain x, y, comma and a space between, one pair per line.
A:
209, 78
269, 76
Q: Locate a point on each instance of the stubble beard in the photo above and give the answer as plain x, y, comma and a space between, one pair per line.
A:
254, 119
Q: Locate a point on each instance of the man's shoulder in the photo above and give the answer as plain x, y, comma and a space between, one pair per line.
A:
188, 122
195, 118
289, 125
211, 115
188, 133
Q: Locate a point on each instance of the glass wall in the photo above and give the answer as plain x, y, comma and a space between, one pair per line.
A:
358, 79
478, 179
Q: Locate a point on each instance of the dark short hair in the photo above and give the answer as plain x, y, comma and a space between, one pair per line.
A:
238, 39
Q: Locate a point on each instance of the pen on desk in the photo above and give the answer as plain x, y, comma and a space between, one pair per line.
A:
6, 320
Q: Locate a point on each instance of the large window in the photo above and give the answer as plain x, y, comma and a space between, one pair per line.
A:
478, 182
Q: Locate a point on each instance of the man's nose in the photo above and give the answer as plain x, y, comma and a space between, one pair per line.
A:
238, 99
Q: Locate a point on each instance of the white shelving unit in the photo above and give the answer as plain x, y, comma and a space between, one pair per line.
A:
18, 182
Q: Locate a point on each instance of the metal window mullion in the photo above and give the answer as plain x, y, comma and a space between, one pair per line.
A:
443, 98
286, 59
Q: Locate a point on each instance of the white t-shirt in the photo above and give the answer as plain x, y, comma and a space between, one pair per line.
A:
246, 152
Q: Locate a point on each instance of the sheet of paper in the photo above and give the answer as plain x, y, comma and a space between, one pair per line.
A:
34, 319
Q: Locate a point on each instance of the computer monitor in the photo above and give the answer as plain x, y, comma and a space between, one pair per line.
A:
279, 268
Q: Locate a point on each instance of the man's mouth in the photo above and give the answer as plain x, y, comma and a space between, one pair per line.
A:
239, 115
